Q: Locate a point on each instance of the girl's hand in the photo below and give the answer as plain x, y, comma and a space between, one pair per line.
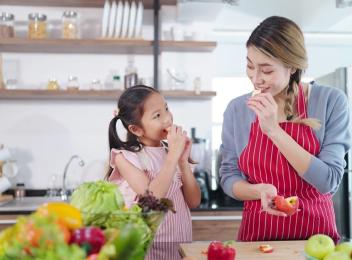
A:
176, 139
186, 151
267, 194
265, 107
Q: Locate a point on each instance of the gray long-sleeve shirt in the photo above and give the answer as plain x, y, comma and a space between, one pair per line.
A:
325, 172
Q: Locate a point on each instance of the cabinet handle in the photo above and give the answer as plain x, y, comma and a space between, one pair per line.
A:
211, 218
8, 221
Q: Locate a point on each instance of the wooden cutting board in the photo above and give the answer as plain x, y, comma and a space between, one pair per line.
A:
283, 250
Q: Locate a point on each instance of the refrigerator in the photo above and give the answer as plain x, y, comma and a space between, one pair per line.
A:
342, 78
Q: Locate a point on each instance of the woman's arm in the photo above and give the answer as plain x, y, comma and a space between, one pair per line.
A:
324, 171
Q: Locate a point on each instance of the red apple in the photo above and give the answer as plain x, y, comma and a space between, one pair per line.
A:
288, 205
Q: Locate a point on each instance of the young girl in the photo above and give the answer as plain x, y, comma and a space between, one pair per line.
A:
142, 162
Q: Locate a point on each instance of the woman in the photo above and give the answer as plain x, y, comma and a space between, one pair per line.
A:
290, 140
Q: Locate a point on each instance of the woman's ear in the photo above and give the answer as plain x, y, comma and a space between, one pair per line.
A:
293, 71
136, 130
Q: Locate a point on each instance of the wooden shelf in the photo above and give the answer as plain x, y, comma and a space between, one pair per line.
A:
28, 94
118, 46
148, 4
76, 46
187, 46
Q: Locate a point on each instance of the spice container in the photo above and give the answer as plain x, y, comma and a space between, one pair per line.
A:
69, 25
37, 26
53, 84
73, 83
7, 25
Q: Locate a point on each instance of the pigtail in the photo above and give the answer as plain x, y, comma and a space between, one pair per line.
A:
290, 103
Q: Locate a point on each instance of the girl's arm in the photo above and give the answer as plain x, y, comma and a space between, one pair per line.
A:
160, 185
190, 188
139, 182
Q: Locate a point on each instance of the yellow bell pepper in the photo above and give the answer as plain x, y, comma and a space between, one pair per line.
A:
68, 214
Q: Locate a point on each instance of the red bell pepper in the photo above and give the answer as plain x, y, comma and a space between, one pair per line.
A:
218, 251
89, 238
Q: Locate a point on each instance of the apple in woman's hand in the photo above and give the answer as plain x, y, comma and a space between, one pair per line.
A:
289, 205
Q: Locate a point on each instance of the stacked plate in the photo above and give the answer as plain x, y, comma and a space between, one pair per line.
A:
122, 19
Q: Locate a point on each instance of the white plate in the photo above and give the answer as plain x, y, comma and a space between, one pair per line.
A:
139, 21
119, 14
132, 20
112, 18
126, 12
105, 21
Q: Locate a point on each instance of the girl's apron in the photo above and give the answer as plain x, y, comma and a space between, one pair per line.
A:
262, 162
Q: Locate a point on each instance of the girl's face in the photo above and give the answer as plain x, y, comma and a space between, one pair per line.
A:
267, 74
155, 121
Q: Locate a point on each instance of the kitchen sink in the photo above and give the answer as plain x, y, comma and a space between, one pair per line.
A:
25, 204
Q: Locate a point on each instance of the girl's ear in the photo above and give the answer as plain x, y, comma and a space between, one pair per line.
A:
136, 130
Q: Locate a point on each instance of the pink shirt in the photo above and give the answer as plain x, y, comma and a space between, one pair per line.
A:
175, 227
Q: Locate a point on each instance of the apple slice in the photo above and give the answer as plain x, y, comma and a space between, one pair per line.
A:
256, 92
287, 205
266, 248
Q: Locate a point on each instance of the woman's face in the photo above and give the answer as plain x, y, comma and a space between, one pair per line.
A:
267, 74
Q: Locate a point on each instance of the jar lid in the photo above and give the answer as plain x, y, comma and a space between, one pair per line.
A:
6, 16
37, 16
69, 14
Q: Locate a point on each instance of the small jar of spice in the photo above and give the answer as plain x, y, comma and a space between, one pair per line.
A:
37, 26
7, 25
69, 25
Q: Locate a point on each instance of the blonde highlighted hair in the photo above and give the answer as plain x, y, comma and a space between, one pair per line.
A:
282, 39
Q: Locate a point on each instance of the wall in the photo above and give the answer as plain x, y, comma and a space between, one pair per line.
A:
44, 134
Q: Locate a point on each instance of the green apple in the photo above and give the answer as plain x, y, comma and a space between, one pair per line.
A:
345, 247
319, 246
337, 256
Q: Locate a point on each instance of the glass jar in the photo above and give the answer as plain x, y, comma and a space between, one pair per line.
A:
72, 83
20, 190
69, 25
53, 84
7, 25
37, 26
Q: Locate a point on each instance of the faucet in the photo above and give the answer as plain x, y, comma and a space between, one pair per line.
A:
64, 192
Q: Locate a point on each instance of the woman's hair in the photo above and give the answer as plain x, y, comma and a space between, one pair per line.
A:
282, 39
130, 111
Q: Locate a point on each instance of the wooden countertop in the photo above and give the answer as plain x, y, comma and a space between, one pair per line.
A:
287, 250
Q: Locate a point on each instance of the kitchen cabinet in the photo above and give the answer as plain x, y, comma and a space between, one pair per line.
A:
215, 225
101, 46
7, 220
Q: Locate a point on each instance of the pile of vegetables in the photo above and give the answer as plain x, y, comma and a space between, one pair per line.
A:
96, 225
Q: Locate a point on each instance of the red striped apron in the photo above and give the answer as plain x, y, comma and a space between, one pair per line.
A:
262, 162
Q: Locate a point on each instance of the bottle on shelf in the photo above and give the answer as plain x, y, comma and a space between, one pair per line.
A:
116, 80
7, 25
37, 26
73, 83
131, 76
69, 25
53, 84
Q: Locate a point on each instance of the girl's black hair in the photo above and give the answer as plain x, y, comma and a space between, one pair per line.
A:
130, 111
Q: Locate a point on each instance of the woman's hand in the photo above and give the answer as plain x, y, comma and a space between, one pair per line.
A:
176, 139
267, 194
266, 108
